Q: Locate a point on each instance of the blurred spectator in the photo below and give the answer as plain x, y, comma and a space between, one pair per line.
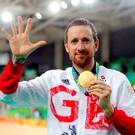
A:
133, 87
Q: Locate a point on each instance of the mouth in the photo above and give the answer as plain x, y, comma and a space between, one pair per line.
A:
81, 54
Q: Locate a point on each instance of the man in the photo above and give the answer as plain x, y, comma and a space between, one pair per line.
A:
70, 111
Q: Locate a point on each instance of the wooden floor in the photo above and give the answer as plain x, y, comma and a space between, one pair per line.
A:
9, 128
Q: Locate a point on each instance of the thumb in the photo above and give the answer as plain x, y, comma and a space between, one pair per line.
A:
36, 45
39, 44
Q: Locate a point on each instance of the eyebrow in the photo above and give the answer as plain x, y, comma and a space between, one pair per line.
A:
83, 38
86, 39
74, 39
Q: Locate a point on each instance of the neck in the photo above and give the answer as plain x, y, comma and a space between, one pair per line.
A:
87, 67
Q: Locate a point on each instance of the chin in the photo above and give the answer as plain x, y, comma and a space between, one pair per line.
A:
81, 63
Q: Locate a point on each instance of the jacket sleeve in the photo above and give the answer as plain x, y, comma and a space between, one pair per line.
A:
10, 78
123, 123
22, 93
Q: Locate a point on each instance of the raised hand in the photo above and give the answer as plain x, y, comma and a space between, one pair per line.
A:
103, 92
19, 41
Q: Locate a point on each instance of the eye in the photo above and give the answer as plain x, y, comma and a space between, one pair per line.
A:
74, 41
87, 40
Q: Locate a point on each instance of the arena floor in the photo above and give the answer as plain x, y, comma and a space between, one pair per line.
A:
9, 128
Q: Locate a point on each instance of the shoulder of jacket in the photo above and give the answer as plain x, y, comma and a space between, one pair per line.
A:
112, 72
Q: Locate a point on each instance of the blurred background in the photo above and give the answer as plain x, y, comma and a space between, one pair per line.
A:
115, 23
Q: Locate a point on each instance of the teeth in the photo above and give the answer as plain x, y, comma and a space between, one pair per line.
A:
85, 78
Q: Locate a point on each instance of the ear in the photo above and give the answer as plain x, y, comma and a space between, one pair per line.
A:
66, 47
96, 45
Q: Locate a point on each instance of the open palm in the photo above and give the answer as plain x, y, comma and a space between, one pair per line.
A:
19, 41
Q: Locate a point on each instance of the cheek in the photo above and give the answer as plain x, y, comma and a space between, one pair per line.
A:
71, 54
91, 51
71, 51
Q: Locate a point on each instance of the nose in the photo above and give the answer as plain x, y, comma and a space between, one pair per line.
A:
80, 46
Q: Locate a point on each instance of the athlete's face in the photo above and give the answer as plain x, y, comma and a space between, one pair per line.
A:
80, 45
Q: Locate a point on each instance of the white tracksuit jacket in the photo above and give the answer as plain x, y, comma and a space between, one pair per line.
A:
70, 112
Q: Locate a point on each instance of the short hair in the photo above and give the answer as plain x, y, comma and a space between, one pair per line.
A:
78, 22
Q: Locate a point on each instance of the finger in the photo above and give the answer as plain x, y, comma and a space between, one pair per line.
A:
13, 28
96, 82
20, 24
99, 95
100, 92
97, 90
100, 86
99, 83
28, 26
5, 33
39, 44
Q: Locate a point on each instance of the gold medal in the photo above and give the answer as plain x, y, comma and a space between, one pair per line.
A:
85, 78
